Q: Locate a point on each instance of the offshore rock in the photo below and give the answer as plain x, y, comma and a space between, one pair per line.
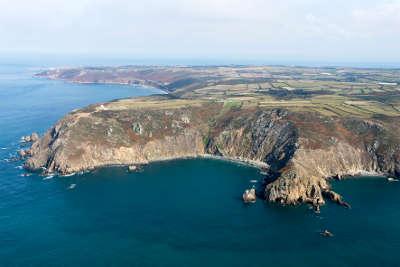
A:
30, 138
326, 233
132, 168
249, 196
335, 197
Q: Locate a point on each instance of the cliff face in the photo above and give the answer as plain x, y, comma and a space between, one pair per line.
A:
97, 137
302, 150
100, 136
334, 149
262, 135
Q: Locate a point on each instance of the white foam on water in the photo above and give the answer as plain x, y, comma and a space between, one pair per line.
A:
72, 186
68, 175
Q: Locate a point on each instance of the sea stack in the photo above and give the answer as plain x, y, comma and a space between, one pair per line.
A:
249, 196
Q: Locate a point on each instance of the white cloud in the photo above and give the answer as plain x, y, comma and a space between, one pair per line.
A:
309, 29
378, 20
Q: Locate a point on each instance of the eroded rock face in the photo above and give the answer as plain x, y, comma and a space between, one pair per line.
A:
353, 148
303, 151
79, 143
290, 188
263, 136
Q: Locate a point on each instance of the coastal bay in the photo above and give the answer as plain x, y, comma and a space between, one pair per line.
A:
183, 211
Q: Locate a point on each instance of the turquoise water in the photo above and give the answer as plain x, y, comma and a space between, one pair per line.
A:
177, 213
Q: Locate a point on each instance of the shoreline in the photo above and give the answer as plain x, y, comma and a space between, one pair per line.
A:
144, 85
245, 162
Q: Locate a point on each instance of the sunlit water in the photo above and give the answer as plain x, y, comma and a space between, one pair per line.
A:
177, 213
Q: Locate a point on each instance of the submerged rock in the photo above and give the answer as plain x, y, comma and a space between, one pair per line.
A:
317, 209
326, 233
71, 186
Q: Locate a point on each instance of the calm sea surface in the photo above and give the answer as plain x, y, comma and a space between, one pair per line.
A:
177, 213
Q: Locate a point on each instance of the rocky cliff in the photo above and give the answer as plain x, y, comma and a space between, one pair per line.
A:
302, 150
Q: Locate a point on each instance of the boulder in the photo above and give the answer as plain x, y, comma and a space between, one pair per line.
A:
326, 233
249, 196
132, 168
26, 139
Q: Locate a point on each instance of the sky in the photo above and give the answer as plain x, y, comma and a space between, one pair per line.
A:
265, 30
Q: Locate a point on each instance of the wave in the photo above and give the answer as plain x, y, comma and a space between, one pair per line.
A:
48, 177
68, 175
72, 186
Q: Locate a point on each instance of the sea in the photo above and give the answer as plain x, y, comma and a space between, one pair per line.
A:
173, 213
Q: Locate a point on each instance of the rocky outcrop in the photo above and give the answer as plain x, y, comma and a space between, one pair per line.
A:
335, 197
30, 138
23, 153
64, 150
249, 196
290, 188
302, 151
347, 151
133, 168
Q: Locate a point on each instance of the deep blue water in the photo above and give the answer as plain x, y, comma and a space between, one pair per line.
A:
177, 213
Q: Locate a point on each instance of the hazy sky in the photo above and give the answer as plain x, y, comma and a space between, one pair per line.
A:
313, 30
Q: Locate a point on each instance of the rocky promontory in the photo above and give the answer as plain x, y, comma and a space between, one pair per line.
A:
302, 149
